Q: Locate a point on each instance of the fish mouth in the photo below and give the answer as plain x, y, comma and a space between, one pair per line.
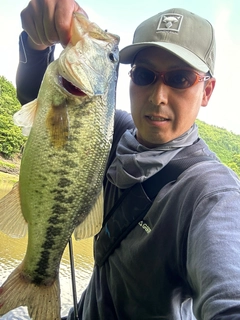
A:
71, 88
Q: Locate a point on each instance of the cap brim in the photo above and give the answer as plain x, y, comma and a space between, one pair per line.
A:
128, 54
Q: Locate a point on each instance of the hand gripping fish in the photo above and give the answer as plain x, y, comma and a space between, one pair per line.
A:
62, 168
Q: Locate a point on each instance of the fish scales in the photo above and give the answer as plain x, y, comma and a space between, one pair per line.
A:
63, 164
63, 198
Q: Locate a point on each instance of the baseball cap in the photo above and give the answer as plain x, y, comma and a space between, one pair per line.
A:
179, 31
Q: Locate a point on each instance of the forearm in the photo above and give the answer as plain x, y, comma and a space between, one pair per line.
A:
31, 68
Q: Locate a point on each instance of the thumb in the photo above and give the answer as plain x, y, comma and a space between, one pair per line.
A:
77, 8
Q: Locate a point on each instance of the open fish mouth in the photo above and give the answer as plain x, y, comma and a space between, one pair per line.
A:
71, 88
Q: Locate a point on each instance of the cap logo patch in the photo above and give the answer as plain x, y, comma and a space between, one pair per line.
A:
170, 21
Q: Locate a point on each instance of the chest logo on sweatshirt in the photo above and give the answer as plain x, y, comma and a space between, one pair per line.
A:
145, 227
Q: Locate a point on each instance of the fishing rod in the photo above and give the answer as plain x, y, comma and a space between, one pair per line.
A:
74, 290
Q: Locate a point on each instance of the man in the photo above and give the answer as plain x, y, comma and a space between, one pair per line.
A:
182, 259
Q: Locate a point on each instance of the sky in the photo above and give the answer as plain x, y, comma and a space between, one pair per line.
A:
122, 17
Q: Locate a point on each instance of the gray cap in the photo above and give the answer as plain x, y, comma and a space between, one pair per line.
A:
179, 31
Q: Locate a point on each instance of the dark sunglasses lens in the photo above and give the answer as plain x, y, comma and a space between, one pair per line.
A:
141, 76
180, 79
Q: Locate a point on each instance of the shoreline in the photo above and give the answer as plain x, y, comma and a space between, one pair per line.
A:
10, 166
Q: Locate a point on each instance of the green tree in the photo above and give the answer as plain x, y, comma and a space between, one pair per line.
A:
224, 143
11, 139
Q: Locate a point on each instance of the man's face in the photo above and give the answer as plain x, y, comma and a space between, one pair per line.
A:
162, 113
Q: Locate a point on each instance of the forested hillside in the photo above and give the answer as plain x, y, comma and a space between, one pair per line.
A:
224, 143
11, 139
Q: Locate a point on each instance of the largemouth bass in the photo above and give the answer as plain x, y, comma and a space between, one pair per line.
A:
62, 168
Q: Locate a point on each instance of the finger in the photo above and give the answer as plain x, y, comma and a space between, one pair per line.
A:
63, 20
77, 8
29, 26
47, 29
33, 23
44, 33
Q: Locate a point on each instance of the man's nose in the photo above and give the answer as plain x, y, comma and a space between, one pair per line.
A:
159, 94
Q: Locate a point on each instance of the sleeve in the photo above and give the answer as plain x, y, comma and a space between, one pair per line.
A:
31, 68
213, 263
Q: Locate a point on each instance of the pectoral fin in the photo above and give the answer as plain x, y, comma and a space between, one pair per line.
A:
93, 222
12, 221
25, 116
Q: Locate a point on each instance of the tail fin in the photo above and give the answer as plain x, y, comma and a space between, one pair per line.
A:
43, 302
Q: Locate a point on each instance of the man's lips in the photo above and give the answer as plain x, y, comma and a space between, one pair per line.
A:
157, 118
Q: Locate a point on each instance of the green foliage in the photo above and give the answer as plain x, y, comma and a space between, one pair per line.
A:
11, 139
225, 144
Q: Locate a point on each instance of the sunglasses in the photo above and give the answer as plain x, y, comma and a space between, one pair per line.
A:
179, 78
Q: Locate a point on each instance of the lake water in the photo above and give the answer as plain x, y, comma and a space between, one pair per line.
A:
12, 252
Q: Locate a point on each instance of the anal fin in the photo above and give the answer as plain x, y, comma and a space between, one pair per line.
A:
12, 221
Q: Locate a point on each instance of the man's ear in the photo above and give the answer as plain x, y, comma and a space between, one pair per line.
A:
208, 90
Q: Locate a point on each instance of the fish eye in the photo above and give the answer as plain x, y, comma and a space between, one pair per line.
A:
112, 57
